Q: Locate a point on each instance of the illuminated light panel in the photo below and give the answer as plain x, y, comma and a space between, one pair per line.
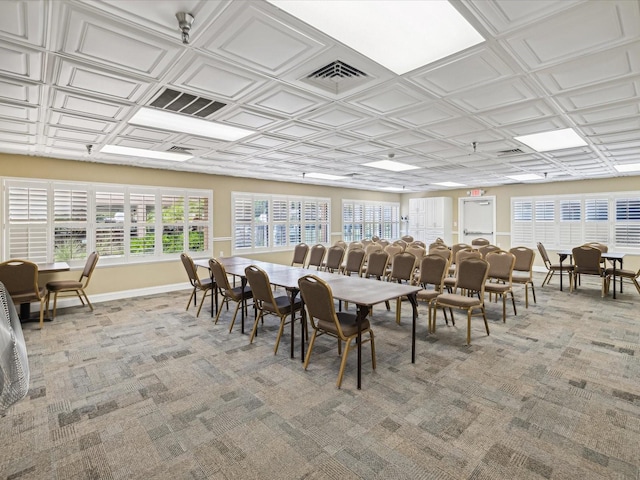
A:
450, 184
323, 176
553, 140
142, 153
525, 177
174, 122
629, 167
400, 35
391, 165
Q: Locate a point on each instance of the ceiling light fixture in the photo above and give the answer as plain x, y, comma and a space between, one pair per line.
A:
450, 184
143, 153
322, 176
391, 165
629, 167
175, 122
185, 20
525, 177
552, 140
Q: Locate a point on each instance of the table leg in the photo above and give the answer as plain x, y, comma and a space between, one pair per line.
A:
363, 311
303, 329
414, 305
292, 297
614, 279
562, 257
243, 283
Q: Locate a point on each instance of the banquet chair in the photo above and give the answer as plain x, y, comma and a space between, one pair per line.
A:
442, 250
71, 286
376, 267
433, 269
229, 293
300, 255
205, 285
354, 262
407, 238
485, 249
341, 243
450, 281
553, 267
499, 278
333, 260
629, 274
316, 255
523, 271
472, 277
587, 260
404, 265
319, 302
20, 278
455, 248
480, 242
419, 243
266, 303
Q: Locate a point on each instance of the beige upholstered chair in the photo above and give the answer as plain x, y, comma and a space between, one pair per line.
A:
319, 302
266, 303
407, 238
523, 271
433, 269
401, 243
554, 267
354, 262
20, 278
416, 250
486, 249
450, 282
499, 278
341, 243
419, 243
455, 248
383, 242
404, 265
628, 274
480, 242
205, 285
333, 260
354, 245
300, 255
472, 276
72, 287
588, 261
376, 265
229, 293
316, 255
442, 250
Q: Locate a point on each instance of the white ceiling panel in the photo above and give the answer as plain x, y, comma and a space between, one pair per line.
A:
72, 73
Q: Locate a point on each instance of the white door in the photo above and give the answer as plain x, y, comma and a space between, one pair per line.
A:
477, 219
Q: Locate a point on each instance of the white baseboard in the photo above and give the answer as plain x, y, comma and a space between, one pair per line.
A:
68, 301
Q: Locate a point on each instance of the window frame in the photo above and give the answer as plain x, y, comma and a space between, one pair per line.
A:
367, 218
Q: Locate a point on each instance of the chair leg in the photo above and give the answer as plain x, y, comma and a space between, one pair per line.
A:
468, 327
533, 291
504, 308
55, 304
311, 343
280, 330
484, 316
204, 296
193, 292
343, 363
235, 315
513, 302
224, 300
398, 310
255, 326
41, 314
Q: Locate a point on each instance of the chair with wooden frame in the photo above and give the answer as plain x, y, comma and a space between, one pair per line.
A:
554, 267
433, 270
300, 255
266, 303
316, 255
205, 285
499, 278
320, 306
229, 293
472, 276
523, 271
20, 278
72, 287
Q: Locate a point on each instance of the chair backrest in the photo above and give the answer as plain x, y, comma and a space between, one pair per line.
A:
485, 249
335, 255
501, 265
400, 243
467, 253
372, 247
441, 250
479, 242
600, 246
403, 266
383, 243
433, 269
354, 262
544, 255
375, 238
472, 275
393, 250
341, 243
300, 254
260, 286
587, 260
20, 277
190, 267
219, 274
455, 248
316, 255
354, 245
524, 259
416, 250
407, 238
419, 243
377, 264
318, 300
89, 267
365, 242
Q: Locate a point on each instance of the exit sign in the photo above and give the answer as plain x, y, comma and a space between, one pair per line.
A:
476, 192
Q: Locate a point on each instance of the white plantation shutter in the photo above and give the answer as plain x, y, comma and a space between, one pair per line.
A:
544, 222
522, 222
242, 221
570, 228
109, 218
261, 222
596, 220
173, 212
310, 222
70, 217
323, 221
199, 240
627, 222
365, 219
27, 226
280, 215
142, 232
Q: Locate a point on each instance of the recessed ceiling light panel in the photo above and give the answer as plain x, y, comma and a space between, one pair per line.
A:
142, 153
450, 184
391, 165
629, 167
525, 177
323, 176
553, 140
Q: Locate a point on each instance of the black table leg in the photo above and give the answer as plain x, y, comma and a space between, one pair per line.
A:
303, 329
243, 283
292, 296
414, 305
363, 311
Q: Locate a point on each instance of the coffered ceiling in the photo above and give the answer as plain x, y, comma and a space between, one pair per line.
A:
74, 73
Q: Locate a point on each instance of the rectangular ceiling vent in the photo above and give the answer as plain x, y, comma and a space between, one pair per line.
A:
513, 151
177, 149
337, 77
180, 102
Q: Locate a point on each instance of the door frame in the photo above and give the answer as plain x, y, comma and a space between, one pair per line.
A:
461, 219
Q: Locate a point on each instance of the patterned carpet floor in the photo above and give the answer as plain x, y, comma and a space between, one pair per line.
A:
142, 389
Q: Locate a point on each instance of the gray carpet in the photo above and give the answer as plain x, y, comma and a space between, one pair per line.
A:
142, 389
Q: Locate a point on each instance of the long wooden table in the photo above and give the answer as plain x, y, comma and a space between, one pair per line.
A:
363, 292
613, 257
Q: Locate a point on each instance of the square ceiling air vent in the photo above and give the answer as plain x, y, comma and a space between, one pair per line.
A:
180, 102
337, 77
513, 151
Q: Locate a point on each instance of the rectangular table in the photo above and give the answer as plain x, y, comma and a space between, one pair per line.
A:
613, 257
363, 292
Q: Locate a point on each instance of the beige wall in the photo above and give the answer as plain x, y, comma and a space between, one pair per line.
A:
118, 278
503, 196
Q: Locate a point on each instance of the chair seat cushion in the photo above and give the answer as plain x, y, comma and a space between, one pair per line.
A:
497, 287
622, 273
59, 285
521, 277
283, 304
564, 266
236, 293
456, 300
30, 296
427, 295
348, 324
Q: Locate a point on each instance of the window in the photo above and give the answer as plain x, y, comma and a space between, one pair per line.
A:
565, 221
271, 222
362, 219
51, 221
